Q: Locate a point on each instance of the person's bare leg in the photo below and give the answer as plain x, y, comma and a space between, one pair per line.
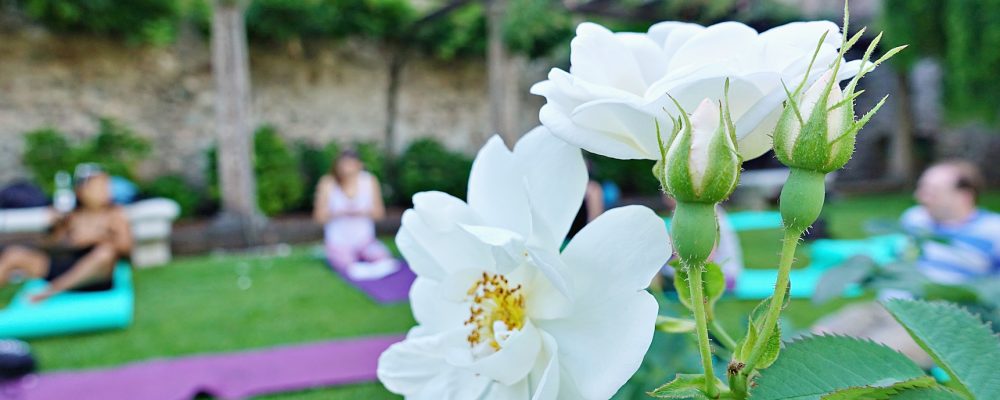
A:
96, 265
30, 262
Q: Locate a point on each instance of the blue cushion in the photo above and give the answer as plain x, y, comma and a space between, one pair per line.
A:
70, 312
759, 283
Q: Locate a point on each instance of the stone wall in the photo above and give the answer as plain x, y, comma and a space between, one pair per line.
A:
315, 93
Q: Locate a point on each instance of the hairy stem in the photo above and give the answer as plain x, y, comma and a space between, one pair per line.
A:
701, 322
788, 246
720, 333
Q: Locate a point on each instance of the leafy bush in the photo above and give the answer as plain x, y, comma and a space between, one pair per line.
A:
279, 183
535, 27
279, 180
138, 21
116, 148
427, 165
314, 162
631, 176
281, 20
175, 187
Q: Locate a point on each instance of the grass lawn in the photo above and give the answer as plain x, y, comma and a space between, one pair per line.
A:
213, 304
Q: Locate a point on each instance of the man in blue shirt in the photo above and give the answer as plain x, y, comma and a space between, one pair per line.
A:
964, 240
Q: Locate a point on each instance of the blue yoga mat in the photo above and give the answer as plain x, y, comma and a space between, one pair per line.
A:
69, 312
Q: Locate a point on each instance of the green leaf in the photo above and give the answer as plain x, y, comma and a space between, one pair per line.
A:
714, 284
935, 393
684, 386
816, 366
834, 281
958, 341
755, 325
879, 392
674, 325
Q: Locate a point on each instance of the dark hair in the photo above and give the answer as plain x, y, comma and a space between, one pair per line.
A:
347, 153
969, 178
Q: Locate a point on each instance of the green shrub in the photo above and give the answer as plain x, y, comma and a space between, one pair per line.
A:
116, 148
280, 185
631, 176
314, 162
175, 187
427, 165
282, 20
46, 151
138, 21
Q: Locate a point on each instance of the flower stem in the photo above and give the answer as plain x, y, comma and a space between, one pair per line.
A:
701, 323
720, 333
788, 246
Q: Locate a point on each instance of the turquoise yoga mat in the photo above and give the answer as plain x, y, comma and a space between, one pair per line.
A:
824, 254
70, 312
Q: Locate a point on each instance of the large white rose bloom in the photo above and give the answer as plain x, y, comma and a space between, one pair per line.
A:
619, 82
501, 313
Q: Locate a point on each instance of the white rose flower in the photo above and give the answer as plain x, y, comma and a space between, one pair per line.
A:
619, 82
501, 313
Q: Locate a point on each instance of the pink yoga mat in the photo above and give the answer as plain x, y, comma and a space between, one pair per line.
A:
225, 376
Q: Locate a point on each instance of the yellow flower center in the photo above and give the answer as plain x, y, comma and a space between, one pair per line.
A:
493, 302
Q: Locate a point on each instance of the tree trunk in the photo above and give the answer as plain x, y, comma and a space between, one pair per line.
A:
230, 67
901, 151
500, 74
396, 63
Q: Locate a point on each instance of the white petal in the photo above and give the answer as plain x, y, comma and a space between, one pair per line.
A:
513, 362
618, 123
591, 53
803, 35
435, 309
679, 35
556, 178
417, 369
648, 55
598, 142
432, 242
717, 43
545, 377
496, 191
619, 252
704, 125
602, 346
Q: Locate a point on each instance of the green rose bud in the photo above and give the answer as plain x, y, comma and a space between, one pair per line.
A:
699, 163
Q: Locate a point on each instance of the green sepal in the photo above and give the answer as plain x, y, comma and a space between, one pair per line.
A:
713, 282
684, 386
674, 325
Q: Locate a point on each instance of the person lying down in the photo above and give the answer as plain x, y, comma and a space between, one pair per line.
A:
82, 247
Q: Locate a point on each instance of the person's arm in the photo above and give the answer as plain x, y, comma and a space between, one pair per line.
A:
378, 206
121, 232
321, 201
594, 200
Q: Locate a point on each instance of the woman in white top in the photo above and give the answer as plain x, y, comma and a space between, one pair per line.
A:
348, 201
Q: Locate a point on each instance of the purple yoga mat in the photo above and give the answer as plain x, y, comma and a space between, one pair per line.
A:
225, 376
393, 288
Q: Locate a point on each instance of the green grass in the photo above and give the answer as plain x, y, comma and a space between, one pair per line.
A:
196, 305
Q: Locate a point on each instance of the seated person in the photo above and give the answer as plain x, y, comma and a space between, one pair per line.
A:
966, 247
348, 200
967, 238
84, 244
727, 254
